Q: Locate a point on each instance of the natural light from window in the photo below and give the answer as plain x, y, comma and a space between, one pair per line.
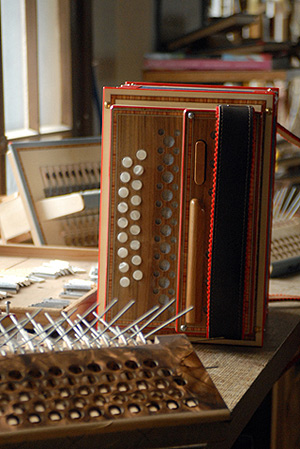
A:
36, 78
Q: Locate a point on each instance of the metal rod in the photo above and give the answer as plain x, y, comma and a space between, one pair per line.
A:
293, 208
119, 314
8, 339
287, 202
22, 332
138, 320
279, 202
40, 332
60, 330
166, 323
15, 330
91, 329
159, 312
95, 320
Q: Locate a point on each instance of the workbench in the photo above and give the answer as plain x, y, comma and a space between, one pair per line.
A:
243, 376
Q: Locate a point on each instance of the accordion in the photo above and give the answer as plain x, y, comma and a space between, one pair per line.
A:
185, 213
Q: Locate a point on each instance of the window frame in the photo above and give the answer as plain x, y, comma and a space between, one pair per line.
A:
76, 74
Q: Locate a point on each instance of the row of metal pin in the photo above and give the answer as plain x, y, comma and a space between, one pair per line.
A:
68, 333
54, 269
11, 284
59, 180
82, 230
286, 204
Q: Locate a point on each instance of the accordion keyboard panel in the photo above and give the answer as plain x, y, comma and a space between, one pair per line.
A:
153, 172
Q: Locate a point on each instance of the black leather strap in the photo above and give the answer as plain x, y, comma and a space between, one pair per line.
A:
229, 221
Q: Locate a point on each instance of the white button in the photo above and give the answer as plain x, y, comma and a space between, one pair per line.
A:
138, 170
125, 176
141, 154
135, 215
127, 162
122, 237
122, 222
123, 192
122, 207
136, 260
122, 252
123, 267
137, 275
124, 281
136, 200
137, 184
135, 244
135, 229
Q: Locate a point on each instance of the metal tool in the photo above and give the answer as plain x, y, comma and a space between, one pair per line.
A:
75, 331
286, 204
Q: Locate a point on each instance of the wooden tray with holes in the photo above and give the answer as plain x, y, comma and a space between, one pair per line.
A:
22, 259
109, 389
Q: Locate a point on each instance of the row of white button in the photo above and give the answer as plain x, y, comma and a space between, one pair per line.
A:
123, 222
137, 276
127, 160
123, 208
123, 236
136, 184
124, 267
123, 253
135, 200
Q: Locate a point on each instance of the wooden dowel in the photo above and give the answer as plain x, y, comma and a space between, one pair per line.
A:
195, 264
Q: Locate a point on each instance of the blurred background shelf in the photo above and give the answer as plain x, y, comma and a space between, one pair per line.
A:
214, 76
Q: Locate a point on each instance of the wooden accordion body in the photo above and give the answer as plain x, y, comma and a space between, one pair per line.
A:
187, 180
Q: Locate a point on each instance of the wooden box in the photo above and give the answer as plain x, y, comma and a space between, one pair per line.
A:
59, 183
14, 228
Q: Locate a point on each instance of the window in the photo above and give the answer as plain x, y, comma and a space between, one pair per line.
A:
36, 55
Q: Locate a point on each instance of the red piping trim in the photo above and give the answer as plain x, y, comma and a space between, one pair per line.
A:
212, 213
181, 217
248, 261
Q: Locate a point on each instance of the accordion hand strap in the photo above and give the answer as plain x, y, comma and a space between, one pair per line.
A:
229, 226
